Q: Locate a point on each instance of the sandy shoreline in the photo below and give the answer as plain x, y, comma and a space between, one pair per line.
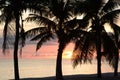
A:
105, 76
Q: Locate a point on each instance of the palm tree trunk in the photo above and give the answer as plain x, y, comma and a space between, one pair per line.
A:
59, 75
98, 46
99, 64
116, 63
116, 52
16, 67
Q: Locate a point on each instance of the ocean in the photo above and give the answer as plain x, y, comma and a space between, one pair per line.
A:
37, 68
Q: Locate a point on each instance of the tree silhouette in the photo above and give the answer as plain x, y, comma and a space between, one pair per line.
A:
60, 12
99, 12
11, 11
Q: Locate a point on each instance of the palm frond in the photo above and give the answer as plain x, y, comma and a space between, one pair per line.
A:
44, 39
110, 17
5, 36
116, 29
76, 58
84, 49
8, 41
88, 47
109, 48
22, 39
35, 31
42, 21
73, 36
108, 43
39, 36
8, 30
110, 5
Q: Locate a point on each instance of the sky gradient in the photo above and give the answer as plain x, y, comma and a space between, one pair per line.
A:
48, 50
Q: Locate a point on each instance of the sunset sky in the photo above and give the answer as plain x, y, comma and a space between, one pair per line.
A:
48, 50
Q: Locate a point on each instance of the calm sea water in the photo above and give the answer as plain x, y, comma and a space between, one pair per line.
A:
46, 67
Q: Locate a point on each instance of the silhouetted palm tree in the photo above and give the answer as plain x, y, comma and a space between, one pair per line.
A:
11, 12
59, 12
99, 12
8, 11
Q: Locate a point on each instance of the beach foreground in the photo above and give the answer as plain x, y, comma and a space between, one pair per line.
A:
106, 76
38, 70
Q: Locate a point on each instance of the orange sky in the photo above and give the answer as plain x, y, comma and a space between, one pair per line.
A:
49, 50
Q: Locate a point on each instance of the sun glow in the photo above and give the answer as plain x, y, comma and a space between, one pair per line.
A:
67, 54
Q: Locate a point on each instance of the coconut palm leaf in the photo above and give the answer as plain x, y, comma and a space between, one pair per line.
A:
44, 39
110, 16
84, 49
39, 36
22, 36
116, 29
108, 44
110, 5
109, 51
7, 28
42, 21
35, 31
73, 36
5, 36
8, 39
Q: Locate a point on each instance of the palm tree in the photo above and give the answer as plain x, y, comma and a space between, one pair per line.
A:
59, 12
99, 12
12, 11
7, 21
